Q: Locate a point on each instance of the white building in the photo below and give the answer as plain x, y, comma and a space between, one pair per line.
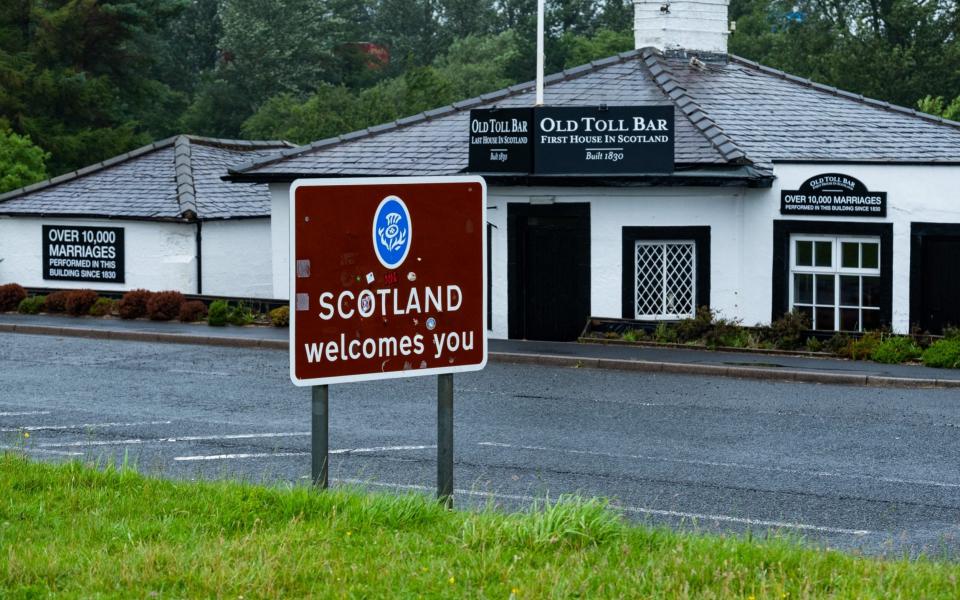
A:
711, 233
158, 218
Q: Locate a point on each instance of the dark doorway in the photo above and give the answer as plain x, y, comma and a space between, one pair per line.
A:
936, 280
548, 270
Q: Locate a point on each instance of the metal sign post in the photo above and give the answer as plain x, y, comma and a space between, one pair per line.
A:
388, 280
445, 439
320, 437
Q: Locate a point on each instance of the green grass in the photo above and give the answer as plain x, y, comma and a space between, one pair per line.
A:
73, 531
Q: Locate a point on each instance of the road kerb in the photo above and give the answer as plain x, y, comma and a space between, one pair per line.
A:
743, 372
789, 375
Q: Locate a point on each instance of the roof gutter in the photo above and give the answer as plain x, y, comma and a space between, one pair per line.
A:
886, 162
743, 175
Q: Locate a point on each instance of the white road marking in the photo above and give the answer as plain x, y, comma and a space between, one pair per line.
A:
237, 456
40, 450
707, 463
281, 454
189, 372
184, 438
745, 521
27, 413
81, 426
634, 509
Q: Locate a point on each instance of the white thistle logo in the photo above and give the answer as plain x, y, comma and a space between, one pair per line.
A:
392, 236
392, 232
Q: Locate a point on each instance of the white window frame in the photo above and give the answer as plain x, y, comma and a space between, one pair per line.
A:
836, 270
664, 282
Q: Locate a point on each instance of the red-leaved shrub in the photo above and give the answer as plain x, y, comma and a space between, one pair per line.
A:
163, 306
78, 302
57, 302
11, 295
191, 311
133, 305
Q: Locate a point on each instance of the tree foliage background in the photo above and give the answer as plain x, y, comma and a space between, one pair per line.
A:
83, 80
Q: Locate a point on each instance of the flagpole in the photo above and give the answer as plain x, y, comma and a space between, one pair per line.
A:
540, 11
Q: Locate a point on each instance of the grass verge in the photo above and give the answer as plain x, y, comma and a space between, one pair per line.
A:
73, 531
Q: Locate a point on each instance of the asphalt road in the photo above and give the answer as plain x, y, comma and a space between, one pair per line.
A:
864, 469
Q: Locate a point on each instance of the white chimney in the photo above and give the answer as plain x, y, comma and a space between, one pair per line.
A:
695, 25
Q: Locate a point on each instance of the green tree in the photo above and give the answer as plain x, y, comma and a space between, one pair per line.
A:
938, 106
274, 46
328, 112
21, 162
411, 30
476, 64
894, 50
580, 49
74, 76
189, 46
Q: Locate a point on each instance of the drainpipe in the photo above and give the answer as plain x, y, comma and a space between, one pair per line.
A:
199, 258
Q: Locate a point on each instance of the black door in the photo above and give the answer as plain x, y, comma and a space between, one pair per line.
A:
549, 270
940, 283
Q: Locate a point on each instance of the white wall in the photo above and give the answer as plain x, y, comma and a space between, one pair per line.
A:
280, 238
741, 222
689, 24
614, 208
915, 193
158, 256
237, 258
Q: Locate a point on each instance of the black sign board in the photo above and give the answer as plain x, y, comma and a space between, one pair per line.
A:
80, 253
501, 140
615, 140
833, 194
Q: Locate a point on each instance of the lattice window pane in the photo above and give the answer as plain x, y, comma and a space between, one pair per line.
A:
666, 280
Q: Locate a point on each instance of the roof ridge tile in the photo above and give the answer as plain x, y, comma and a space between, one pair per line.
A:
183, 174
696, 114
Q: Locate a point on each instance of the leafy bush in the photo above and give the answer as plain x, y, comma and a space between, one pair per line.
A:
839, 344
133, 305
951, 333
895, 350
280, 317
103, 307
864, 348
218, 313
726, 332
240, 315
943, 354
665, 334
57, 302
789, 331
11, 295
193, 310
79, 302
163, 306
814, 345
32, 305
695, 329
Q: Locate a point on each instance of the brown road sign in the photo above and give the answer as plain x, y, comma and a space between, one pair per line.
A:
388, 278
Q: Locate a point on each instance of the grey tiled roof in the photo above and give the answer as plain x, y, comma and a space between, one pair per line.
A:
777, 116
729, 112
175, 179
